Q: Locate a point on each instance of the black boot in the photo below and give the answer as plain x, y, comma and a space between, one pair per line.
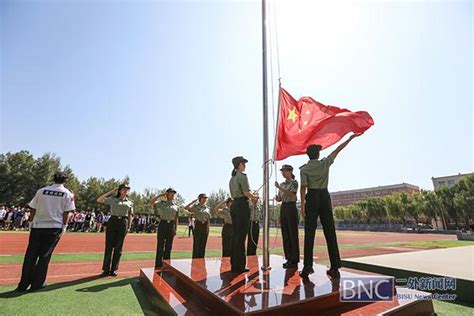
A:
333, 273
306, 272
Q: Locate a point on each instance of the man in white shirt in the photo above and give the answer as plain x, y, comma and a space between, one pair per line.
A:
49, 216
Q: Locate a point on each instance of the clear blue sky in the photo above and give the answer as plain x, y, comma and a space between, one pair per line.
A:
168, 92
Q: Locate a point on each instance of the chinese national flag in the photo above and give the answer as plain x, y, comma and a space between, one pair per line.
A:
306, 121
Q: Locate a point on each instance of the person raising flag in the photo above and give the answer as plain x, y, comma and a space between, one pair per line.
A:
316, 202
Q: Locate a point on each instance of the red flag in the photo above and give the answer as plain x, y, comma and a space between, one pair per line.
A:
306, 121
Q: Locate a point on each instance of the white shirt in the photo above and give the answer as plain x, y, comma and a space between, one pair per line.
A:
50, 203
3, 212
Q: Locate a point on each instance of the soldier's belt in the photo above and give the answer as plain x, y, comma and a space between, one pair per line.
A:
119, 217
167, 221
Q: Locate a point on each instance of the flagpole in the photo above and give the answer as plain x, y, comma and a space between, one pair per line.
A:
266, 156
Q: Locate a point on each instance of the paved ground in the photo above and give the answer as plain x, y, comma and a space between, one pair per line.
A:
451, 262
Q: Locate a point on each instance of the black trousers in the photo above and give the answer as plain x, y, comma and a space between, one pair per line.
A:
289, 230
114, 238
165, 235
200, 234
190, 230
240, 213
252, 239
41, 245
226, 240
318, 204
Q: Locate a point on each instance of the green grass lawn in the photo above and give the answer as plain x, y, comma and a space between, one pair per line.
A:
81, 297
112, 297
452, 309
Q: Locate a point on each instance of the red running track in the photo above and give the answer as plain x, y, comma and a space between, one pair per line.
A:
15, 243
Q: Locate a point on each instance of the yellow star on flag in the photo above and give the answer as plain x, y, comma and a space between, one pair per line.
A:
292, 115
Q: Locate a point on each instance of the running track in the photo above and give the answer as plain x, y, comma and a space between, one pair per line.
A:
15, 244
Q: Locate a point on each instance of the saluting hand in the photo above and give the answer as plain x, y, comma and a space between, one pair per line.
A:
277, 184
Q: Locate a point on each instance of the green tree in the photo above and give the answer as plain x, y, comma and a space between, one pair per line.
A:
21, 175
44, 168
417, 206
406, 206
359, 213
215, 198
393, 207
140, 203
375, 208
434, 208
91, 189
446, 197
342, 213
17, 181
463, 200
339, 213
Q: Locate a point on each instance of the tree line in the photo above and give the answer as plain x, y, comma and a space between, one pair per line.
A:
21, 175
447, 202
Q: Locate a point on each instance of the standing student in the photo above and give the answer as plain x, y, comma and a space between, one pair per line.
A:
289, 216
317, 203
99, 220
240, 213
168, 212
50, 208
254, 227
202, 214
119, 223
226, 234
191, 222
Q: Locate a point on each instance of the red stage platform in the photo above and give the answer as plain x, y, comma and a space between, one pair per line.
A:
207, 287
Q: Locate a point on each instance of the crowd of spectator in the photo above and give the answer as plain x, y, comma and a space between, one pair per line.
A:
14, 218
17, 218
